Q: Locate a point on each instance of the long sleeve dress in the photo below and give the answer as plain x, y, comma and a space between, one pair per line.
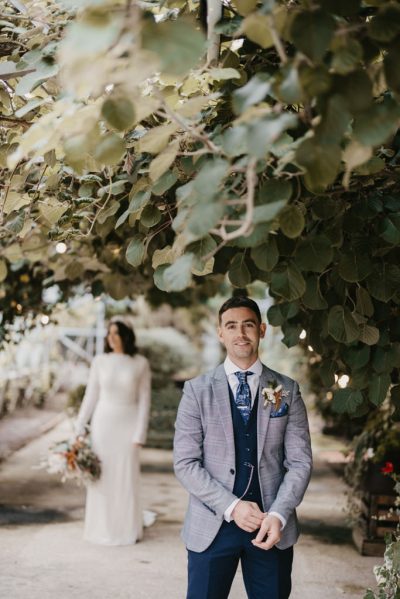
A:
117, 401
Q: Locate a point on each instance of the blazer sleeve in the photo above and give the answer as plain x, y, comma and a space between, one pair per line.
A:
188, 457
90, 398
144, 400
297, 458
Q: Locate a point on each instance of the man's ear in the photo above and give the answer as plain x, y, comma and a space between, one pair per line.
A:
263, 329
219, 333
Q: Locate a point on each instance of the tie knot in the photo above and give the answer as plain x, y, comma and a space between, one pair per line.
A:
242, 376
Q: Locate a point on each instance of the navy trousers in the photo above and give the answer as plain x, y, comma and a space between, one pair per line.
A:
266, 574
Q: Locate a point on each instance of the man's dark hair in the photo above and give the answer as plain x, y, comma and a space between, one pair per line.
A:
127, 335
240, 301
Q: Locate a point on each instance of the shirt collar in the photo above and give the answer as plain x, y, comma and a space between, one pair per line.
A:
230, 367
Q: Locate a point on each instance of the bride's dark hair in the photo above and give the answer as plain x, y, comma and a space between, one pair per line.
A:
127, 335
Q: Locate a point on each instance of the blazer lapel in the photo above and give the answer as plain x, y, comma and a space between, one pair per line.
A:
263, 414
221, 393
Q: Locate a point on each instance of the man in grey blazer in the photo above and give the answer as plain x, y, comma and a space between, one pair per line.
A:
242, 451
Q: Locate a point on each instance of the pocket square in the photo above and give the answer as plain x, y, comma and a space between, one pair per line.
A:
283, 410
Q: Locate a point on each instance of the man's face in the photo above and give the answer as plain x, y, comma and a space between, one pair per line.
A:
241, 332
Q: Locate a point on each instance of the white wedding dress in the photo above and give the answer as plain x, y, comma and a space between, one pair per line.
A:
117, 401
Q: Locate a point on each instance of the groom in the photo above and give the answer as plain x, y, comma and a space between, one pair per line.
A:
242, 450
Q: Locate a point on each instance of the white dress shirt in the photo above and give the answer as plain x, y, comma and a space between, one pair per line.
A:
253, 382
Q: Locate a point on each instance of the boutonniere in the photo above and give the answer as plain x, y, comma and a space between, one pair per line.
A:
273, 395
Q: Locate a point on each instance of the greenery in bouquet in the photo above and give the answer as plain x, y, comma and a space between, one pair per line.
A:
73, 459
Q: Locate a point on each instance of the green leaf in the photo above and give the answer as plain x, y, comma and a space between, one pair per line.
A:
252, 93
200, 249
291, 334
347, 400
16, 224
136, 250
163, 161
266, 256
43, 71
157, 138
257, 236
364, 303
383, 282
341, 325
356, 357
372, 166
288, 282
385, 26
150, 216
136, 204
315, 80
238, 273
274, 190
119, 113
179, 44
376, 124
178, 276
256, 28
245, 7
267, 212
368, 334
391, 66
165, 182
223, 74
15, 201
327, 372
110, 149
356, 88
291, 221
378, 388
208, 181
289, 89
354, 267
3, 270
263, 133
390, 228
274, 316
347, 56
312, 297
204, 217
111, 209
52, 211
159, 277
314, 253
234, 140
312, 32
321, 162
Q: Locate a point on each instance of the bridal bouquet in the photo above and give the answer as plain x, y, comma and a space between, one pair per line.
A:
73, 459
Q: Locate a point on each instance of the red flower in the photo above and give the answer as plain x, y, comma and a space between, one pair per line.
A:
388, 468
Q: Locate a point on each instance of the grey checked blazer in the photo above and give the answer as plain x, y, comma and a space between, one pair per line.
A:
204, 455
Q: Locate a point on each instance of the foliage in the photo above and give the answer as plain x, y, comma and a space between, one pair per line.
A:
162, 172
388, 574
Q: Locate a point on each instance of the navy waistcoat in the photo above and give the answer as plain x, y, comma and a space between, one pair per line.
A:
246, 454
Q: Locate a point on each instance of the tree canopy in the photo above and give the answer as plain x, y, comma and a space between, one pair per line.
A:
142, 152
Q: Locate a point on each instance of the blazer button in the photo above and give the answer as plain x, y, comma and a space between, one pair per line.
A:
232, 471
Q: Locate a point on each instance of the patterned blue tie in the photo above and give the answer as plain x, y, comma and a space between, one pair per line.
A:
243, 395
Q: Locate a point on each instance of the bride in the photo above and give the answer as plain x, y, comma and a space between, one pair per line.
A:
117, 401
